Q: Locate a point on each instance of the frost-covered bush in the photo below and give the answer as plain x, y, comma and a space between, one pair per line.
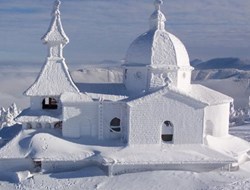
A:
7, 116
238, 116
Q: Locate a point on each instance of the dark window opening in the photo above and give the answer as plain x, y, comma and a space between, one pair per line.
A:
29, 126
167, 131
38, 166
58, 125
167, 138
115, 125
168, 123
125, 74
50, 103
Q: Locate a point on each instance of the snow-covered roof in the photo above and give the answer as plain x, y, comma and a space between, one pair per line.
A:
55, 33
70, 97
103, 88
107, 97
92, 92
157, 47
39, 116
197, 96
53, 80
202, 94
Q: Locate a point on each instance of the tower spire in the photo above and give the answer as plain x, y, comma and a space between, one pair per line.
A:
56, 10
55, 37
157, 19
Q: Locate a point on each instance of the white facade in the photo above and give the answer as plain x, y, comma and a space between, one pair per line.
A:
156, 102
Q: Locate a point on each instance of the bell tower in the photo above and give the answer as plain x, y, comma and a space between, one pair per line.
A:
55, 37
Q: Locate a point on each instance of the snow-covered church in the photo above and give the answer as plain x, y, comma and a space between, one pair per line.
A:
155, 103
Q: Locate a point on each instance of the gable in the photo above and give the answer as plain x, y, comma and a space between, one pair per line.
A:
197, 96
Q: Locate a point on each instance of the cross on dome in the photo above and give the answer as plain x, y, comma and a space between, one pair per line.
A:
158, 4
157, 19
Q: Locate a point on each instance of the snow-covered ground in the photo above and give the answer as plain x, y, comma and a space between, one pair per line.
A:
94, 178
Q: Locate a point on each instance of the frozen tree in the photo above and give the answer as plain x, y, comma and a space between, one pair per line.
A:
2, 117
14, 110
238, 116
7, 118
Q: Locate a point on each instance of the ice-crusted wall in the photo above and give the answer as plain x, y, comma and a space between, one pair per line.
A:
136, 79
83, 120
147, 118
217, 120
80, 120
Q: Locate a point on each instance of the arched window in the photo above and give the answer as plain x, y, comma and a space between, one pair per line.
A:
115, 125
50, 103
29, 126
167, 131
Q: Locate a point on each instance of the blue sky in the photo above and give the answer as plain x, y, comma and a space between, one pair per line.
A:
103, 29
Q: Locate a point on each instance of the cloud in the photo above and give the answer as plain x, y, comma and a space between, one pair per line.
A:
103, 29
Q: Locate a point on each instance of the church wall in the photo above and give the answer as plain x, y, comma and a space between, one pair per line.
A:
184, 79
83, 120
147, 118
80, 120
112, 110
35, 103
136, 78
217, 120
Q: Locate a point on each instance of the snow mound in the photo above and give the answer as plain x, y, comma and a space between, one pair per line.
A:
166, 154
49, 147
231, 146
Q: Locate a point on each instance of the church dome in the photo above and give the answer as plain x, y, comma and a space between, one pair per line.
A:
157, 47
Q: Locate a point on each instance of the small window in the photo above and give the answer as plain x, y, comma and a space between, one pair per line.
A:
115, 125
50, 103
167, 131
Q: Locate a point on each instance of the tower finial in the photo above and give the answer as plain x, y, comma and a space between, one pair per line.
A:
157, 19
56, 10
55, 37
158, 4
